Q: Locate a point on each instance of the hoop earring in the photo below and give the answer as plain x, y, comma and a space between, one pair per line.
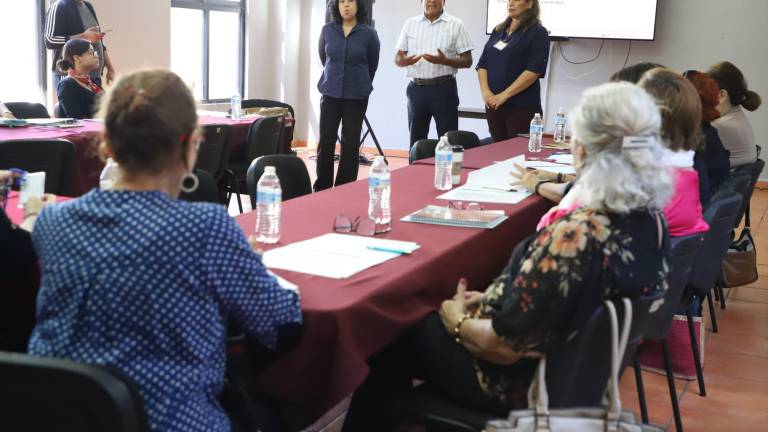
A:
189, 182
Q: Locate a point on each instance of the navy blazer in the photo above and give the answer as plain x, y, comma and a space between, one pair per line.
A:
349, 63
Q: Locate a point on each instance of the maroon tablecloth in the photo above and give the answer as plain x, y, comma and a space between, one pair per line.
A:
15, 213
480, 157
88, 164
346, 321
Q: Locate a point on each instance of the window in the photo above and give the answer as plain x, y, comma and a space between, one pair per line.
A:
208, 46
26, 80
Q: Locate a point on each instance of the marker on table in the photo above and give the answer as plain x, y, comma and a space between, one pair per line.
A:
389, 250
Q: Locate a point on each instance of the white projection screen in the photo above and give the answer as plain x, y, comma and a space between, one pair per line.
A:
597, 19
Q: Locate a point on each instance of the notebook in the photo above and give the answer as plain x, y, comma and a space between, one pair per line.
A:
437, 215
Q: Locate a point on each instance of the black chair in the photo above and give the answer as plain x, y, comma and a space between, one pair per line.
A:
291, 170
263, 139
27, 110
213, 155
58, 111
55, 157
465, 139
207, 190
422, 149
577, 374
266, 103
682, 254
46, 394
486, 141
753, 170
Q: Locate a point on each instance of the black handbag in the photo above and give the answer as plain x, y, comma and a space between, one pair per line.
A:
740, 263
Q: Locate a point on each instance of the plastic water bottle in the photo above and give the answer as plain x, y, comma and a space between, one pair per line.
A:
236, 107
379, 189
443, 165
269, 196
109, 175
537, 129
560, 126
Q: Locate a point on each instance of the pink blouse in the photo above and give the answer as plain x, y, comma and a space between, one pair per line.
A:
683, 211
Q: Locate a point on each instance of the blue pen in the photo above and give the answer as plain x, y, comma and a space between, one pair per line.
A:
394, 251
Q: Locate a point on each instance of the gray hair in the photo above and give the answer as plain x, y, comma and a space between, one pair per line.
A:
612, 177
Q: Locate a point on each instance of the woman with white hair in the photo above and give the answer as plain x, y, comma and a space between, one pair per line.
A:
612, 242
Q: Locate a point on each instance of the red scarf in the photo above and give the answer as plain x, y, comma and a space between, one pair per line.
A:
85, 80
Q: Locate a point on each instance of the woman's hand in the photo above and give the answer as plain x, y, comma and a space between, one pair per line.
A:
35, 205
498, 100
7, 175
452, 310
525, 178
487, 97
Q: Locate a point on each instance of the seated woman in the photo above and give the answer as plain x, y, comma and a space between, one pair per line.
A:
142, 282
733, 126
76, 92
681, 128
476, 351
711, 152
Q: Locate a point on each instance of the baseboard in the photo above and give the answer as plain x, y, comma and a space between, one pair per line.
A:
762, 184
312, 145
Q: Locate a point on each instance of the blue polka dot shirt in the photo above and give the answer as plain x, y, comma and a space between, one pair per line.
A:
144, 283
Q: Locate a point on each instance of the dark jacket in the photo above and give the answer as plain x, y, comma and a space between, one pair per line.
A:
349, 63
61, 22
75, 101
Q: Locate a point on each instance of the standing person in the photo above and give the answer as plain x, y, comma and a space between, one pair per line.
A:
733, 126
77, 91
513, 60
433, 47
349, 52
76, 19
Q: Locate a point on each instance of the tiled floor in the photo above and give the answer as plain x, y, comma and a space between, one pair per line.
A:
735, 362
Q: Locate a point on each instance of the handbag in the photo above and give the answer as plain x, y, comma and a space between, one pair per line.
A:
538, 417
740, 262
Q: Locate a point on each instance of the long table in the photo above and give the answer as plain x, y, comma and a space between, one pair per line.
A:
347, 321
88, 164
483, 156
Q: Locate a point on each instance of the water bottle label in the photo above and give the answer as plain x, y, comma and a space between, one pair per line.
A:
444, 157
377, 182
536, 129
268, 197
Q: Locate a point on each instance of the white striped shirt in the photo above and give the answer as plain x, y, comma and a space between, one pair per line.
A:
420, 36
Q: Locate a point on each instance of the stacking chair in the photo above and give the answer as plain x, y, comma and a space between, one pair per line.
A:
55, 157
207, 190
213, 155
286, 140
486, 141
753, 170
290, 169
422, 149
465, 139
263, 139
46, 394
682, 254
27, 110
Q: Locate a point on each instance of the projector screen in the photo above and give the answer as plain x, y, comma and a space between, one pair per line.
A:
598, 19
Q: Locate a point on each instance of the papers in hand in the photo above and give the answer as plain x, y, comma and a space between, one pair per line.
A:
335, 256
437, 215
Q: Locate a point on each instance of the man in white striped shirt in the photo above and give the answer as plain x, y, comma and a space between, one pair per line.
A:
433, 47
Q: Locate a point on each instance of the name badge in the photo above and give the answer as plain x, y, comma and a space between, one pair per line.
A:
500, 45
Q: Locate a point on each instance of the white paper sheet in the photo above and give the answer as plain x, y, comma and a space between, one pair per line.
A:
470, 194
335, 256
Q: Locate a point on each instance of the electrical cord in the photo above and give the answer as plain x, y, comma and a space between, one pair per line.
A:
629, 50
600, 51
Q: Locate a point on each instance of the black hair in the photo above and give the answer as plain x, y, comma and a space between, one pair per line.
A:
73, 47
335, 15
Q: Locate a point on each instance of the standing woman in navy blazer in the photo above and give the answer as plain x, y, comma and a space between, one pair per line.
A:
513, 60
349, 52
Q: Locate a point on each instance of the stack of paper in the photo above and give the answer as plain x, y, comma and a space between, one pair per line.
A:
336, 256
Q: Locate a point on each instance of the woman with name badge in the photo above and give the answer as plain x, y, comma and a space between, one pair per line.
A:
513, 60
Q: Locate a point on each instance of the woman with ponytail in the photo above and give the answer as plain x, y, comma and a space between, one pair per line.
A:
77, 92
734, 128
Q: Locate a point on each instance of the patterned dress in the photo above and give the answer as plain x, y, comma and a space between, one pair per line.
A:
145, 284
557, 278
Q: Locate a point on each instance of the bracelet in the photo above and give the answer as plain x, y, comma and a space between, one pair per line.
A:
559, 177
457, 329
538, 185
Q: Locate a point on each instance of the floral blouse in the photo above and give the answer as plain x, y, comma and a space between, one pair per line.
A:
557, 278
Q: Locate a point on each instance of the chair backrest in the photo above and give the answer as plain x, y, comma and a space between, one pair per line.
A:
266, 103
264, 136
577, 374
27, 110
58, 111
422, 149
291, 170
212, 155
45, 394
486, 141
753, 170
682, 254
207, 190
465, 139
720, 215
55, 157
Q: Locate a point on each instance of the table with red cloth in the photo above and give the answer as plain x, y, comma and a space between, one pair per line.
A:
346, 321
16, 213
480, 157
88, 164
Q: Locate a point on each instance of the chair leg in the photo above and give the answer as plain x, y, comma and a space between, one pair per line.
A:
671, 384
721, 292
712, 311
696, 357
641, 390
